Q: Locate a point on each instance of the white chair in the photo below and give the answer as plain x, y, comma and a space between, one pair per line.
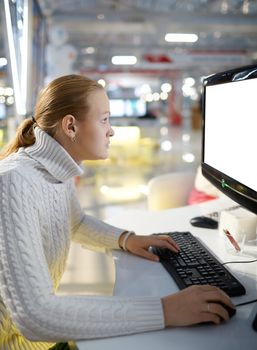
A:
170, 190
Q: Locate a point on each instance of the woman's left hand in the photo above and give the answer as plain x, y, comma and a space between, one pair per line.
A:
139, 245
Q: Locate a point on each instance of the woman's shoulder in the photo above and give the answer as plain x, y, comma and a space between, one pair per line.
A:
17, 165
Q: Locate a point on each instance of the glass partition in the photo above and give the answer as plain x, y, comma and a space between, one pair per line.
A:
25, 28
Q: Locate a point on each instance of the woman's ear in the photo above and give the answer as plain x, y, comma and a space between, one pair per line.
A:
69, 127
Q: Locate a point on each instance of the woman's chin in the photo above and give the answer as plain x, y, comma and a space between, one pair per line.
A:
102, 156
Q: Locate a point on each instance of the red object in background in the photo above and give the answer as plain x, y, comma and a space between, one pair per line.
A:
174, 107
176, 118
196, 197
157, 58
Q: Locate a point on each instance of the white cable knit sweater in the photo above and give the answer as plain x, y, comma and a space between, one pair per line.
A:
39, 216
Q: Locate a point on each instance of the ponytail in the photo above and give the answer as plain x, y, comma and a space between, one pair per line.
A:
24, 137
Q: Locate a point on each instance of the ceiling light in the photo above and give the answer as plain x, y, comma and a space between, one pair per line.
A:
88, 50
188, 157
166, 87
124, 60
8, 91
181, 37
156, 96
102, 82
149, 97
186, 137
166, 145
143, 90
10, 100
189, 81
3, 62
164, 95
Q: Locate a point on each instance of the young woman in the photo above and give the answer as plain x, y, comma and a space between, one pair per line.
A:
40, 215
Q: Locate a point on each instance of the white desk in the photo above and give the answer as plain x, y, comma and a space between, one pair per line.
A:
136, 276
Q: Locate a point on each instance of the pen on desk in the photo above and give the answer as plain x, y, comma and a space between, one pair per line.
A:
232, 240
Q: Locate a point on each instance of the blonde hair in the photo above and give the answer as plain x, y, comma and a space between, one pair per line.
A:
65, 95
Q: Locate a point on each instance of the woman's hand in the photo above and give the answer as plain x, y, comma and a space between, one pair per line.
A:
196, 304
139, 245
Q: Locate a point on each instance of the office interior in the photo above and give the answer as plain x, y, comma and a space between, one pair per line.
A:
151, 57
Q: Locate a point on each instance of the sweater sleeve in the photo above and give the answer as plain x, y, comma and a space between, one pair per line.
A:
88, 230
27, 289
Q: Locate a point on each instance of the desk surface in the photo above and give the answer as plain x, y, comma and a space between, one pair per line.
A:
136, 276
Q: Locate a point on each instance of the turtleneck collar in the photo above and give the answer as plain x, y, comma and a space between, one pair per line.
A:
49, 153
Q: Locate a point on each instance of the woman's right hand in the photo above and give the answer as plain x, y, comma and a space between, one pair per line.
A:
196, 304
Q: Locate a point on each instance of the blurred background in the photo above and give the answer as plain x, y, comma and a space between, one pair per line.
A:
150, 55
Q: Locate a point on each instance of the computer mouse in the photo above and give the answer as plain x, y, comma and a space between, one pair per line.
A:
231, 311
204, 222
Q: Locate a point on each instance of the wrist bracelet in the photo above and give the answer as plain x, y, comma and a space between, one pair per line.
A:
129, 233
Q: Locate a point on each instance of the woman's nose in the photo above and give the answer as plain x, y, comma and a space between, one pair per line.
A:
111, 132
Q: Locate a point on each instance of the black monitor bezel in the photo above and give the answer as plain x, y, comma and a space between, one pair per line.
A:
237, 191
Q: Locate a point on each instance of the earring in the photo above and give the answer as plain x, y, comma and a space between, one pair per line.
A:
73, 139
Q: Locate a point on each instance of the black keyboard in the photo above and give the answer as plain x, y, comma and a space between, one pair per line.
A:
194, 264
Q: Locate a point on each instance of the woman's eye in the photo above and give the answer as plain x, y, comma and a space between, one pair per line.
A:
105, 120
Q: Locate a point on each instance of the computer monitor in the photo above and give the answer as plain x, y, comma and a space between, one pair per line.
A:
230, 134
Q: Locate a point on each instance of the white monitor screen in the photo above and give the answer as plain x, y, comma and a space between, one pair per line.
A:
231, 130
